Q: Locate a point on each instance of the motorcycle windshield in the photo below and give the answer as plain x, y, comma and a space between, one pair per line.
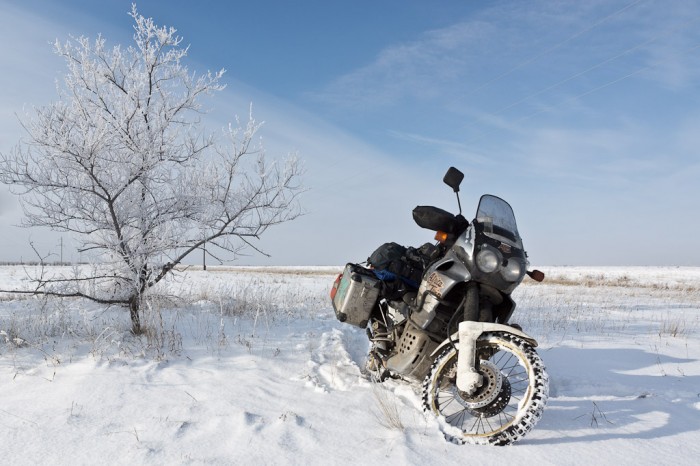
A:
499, 220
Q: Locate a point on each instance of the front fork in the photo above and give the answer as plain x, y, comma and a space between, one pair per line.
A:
468, 377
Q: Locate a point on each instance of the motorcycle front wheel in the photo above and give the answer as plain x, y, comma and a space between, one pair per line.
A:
507, 405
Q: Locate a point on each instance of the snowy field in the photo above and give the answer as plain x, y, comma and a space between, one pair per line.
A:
249, 366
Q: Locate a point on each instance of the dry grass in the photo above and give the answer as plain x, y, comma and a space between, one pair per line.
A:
212, 308
595, 281
607, 304
675, 328
277, 270
389, 410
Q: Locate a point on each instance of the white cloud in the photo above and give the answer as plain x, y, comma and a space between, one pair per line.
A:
415, 69
504, 46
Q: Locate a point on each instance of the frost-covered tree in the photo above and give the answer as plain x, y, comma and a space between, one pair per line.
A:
121, 162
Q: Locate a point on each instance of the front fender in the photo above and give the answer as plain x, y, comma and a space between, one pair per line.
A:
475, 329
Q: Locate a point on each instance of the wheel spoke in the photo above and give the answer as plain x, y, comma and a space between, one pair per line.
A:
448, 403
458, 415
477, 421
491, 429
489, 414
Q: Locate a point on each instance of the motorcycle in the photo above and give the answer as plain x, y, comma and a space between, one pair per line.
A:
439, 315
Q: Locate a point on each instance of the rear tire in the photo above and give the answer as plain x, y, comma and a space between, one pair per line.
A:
505, 408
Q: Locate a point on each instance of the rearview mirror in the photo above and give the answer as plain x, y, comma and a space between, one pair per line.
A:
453, 178
536, 275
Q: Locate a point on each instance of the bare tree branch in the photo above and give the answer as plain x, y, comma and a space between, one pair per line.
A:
120, 161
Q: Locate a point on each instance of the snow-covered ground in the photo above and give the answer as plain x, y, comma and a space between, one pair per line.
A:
249, 366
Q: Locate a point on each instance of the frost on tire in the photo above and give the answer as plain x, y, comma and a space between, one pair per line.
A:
505, 408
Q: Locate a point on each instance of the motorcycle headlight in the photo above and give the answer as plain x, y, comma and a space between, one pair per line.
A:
513, 270
487, 260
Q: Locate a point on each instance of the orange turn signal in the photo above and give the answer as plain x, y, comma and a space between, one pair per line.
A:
441, 236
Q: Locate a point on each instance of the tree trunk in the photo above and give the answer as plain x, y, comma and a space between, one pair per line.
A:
134, 305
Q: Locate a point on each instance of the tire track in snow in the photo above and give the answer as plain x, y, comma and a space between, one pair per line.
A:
330, 366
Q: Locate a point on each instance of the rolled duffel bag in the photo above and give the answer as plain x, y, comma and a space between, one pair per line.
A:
385, 255
394, 258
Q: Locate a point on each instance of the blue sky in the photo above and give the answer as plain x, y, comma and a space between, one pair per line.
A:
584, 115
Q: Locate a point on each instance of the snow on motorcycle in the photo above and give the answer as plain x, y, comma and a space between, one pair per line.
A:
439, 315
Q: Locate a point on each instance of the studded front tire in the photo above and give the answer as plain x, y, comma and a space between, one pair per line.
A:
506, 407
